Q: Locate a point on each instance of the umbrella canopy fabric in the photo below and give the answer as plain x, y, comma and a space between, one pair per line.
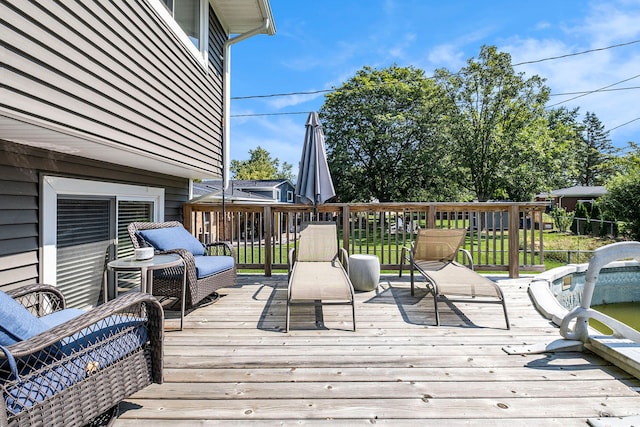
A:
314, 183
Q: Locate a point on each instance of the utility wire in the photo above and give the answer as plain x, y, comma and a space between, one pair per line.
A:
580, 94
315, 92
311, 92
593, 91
624, 124
577, 53
268, 114
601, 90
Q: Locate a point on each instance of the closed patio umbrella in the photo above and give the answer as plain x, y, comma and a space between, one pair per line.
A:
314, 183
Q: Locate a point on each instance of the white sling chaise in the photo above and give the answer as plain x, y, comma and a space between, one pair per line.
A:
316, 275
433, 253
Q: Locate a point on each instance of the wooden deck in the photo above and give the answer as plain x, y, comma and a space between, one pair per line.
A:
234, 365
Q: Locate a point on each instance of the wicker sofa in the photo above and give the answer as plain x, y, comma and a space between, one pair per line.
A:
79, 365
209, 267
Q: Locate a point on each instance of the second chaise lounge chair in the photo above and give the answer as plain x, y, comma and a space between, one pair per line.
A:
433, 255
316, 275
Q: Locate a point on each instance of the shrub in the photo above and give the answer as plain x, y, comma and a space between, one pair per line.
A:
561, 219
622, 200
581, 214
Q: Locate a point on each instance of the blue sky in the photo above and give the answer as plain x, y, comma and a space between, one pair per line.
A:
320, 45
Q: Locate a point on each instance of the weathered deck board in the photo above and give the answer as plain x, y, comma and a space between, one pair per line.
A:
234, 365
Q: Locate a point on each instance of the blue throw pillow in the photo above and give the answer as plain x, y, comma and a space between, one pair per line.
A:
165, 239
16, 322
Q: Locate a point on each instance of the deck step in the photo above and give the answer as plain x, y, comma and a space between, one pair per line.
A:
622, 352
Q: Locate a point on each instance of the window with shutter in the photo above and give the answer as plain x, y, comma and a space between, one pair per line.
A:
84, 224
85, 242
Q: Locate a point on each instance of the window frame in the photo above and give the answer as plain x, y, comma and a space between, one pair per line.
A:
202, 53
53, 186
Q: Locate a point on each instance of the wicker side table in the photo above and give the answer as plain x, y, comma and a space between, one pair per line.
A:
364, 272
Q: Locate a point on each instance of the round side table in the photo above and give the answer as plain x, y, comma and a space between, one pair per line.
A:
146, 269
364, 272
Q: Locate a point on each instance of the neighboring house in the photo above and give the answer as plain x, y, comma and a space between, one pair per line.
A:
241, 191
278, 190
568, 198
107, 111
245, 191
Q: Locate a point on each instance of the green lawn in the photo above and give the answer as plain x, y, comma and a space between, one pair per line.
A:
556, 245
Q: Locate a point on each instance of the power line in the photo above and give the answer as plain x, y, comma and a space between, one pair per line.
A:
307, 112
311, 92
268, 114
577, 53
315, 92
580, 94
601, 90
624, 124
593, 91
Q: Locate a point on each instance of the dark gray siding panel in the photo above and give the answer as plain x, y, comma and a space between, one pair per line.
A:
114, 71
20, 171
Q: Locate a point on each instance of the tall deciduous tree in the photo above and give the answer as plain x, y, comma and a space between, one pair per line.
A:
260, 166
596, 154
382, 137
566, 129
622, 200
497, 126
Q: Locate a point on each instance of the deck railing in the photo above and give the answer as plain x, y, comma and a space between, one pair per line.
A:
262, 234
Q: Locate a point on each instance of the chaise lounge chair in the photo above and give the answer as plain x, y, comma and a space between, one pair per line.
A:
433, 255
316, 275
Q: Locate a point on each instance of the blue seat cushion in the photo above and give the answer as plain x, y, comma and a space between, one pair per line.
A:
168, 238
59, 317
75, 358
16, 322
208, 265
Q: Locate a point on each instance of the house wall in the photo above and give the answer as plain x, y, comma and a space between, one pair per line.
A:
116, 73
21, 169
284, 189
570, 203
108, 72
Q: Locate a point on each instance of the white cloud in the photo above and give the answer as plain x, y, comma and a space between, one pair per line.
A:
611, 22
281, 136
281, 102
606, 25
446, 56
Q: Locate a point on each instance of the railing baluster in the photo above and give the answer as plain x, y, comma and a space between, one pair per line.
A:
262, 235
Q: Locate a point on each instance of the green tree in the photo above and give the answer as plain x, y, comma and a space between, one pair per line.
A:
566, 130
497, 126
260, 166
596, 153
622, 200
383, 138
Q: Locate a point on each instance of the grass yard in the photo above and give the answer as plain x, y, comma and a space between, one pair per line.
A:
559, 248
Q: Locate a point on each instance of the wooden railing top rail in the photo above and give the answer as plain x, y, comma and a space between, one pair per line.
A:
362, 207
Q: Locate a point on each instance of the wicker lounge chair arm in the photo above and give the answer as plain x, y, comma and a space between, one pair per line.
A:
33, 296
220, 248
128, 303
